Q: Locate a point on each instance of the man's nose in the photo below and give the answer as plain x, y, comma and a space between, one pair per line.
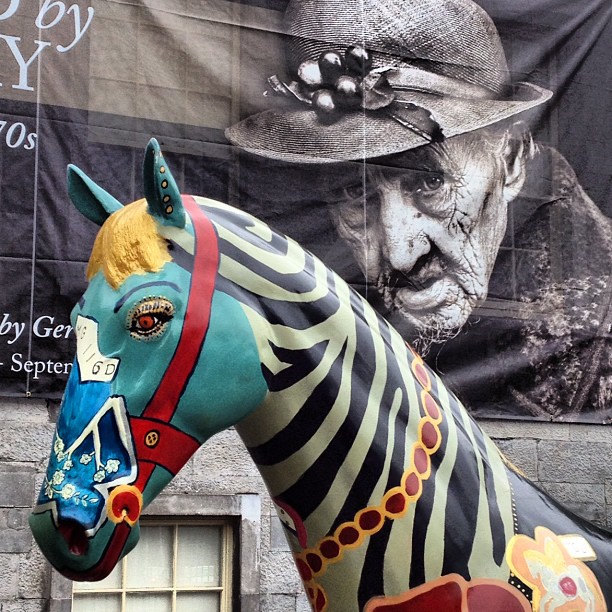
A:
405, 230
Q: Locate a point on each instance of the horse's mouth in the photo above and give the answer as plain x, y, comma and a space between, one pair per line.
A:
108, 560
75, 536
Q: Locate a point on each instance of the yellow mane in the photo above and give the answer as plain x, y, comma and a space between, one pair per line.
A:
128, 243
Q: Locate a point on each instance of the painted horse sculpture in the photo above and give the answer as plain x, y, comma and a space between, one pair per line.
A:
198, 317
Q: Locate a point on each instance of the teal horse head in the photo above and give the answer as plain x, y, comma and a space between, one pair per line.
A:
150, 323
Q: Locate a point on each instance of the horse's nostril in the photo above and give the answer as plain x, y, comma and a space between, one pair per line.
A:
75, 537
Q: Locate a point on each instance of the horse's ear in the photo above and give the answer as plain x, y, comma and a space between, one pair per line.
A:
161, 191
90, 199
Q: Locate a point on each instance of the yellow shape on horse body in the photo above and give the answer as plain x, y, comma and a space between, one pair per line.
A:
128, 243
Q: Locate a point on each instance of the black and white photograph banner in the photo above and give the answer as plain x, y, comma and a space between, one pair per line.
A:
449, 158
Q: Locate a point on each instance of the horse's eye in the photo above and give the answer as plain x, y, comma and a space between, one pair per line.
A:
146, 322
149, 318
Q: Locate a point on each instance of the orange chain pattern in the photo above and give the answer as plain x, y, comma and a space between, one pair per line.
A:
313, 562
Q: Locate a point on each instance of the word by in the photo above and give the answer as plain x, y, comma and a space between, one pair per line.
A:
43, 327
51, 13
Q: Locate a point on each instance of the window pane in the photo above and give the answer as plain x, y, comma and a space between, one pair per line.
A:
150, 563
112, 581
96, 603
150, 602
198, 556
198, 602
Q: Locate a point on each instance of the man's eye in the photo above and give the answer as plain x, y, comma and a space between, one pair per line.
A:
432, 181
423, 182
149, 319
354, 192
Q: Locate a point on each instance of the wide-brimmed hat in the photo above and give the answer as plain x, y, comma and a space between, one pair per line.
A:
368, 78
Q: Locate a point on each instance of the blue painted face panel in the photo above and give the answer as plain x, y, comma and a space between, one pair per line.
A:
92, 452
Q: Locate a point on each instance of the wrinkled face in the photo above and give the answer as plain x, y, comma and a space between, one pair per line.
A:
426, 227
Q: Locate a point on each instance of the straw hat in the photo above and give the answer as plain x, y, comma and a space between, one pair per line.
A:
369, 78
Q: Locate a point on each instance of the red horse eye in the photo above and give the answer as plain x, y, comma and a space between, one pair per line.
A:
149, 318
146, 322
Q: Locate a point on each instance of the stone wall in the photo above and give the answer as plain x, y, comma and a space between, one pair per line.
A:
569, 461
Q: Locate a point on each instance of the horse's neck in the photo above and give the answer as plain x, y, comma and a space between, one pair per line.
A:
346, 410
340, 427
331, 390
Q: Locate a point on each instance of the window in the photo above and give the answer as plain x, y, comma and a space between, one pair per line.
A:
179, 510
176, 567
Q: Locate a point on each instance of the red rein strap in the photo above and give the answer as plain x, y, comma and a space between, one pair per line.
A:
157, 441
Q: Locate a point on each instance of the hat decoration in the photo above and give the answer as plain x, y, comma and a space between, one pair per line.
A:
333, 85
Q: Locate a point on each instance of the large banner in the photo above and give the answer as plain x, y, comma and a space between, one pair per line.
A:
450, 159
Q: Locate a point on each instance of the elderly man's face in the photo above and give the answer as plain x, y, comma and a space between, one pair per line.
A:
426, 227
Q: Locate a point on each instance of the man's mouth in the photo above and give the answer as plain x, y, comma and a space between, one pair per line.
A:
431, 296
425, 286
440, 292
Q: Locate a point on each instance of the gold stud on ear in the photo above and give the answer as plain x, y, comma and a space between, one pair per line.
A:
164, 183
169, 209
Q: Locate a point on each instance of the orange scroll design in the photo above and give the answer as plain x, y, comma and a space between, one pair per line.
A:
558, 581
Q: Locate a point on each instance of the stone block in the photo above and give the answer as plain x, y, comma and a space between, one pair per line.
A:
226, 455
21, 441
578, 462
273, 602
522, 453
586, 500
590, 433
302, 604
609, 516
278, 541
15, 540
14, 518
34, 572
278, 574
24, 410
16, 485
9, 576
25, 605
608, 491
537, 430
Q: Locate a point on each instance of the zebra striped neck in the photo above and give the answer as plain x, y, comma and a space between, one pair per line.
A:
346, 434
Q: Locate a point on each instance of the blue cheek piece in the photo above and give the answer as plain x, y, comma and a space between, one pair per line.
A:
77, 474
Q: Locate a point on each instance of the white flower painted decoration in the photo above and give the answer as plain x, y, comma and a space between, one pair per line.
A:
57, 486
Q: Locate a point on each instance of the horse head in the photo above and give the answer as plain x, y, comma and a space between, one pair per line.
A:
149, 324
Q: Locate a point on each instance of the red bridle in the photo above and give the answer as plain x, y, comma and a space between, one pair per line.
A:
157, 442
